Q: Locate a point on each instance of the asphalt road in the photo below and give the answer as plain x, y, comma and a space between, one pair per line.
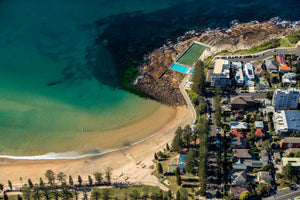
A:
285, 194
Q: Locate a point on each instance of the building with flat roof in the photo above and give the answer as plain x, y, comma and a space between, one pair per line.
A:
290, 142
289, 78
221, 73
286, 121
249, 72
286, 99
238, 125
295, 162
239, 76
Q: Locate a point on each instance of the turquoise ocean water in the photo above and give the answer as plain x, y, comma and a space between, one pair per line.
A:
61, 62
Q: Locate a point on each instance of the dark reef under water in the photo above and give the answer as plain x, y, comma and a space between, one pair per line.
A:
128, 36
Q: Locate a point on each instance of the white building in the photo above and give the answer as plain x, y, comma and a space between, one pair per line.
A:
249, 72
289, 78
239, 76
285, 99
286, 121
221, 73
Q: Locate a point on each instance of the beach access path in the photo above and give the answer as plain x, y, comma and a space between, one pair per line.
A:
187, 98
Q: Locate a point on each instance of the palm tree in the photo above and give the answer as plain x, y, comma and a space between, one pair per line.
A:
79, 180
9, 184
30, 184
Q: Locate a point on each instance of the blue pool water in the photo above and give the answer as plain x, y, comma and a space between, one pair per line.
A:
182, 158
180, 68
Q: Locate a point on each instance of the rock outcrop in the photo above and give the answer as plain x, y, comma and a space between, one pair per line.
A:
162, 84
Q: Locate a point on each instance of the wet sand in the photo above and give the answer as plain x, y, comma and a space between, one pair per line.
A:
122, 161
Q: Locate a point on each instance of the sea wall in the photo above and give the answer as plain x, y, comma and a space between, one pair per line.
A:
162, 84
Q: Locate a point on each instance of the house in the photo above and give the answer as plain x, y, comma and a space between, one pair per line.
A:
290, 142
271, 66
264, 177
239, 178
264, 156
242, 102
295, 162
245, 164
249, 72
286, 99
283, 66
237, 190
236, 133
259, 124
286, 121
238, 115
221, 73
259, 132
289, 78
242, 153
238, 125
239, 76
238, 143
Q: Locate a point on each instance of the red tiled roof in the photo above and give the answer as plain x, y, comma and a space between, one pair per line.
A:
259, 132
236, 133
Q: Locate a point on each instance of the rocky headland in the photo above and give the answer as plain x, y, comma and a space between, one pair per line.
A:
162, 84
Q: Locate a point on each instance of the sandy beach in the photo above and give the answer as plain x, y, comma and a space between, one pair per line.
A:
124, 162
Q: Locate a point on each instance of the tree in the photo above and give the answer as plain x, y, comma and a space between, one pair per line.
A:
71, 182
167, 147
26, 192
90, 180
61, 177
202, 191
177, 141
98, 177
5, 197
96, 195
169, 194
155, 156
41, 182
262, 189
178, 177
1, 187
19, 197
50, 176
105, 194
36, 193
159, 168
190, 161
135, 195
30, 184
9, 185
288, 171
269, 95
108, 173
245, 195
187, 134
178, 195
79, 180
198, 78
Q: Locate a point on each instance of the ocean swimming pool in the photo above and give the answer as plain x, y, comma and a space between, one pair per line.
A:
180, 68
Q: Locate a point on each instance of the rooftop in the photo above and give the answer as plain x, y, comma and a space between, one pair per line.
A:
238, 125
259, 124
295, 162
242, 153
291, 140
221, 68
242, 100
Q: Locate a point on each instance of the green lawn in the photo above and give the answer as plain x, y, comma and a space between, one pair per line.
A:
192, 54
125, 193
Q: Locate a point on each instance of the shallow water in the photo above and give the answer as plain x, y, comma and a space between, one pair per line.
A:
57, 59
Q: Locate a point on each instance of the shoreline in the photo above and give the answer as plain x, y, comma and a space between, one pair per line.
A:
123, 161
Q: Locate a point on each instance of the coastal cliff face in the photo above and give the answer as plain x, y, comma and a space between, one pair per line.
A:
162, 84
